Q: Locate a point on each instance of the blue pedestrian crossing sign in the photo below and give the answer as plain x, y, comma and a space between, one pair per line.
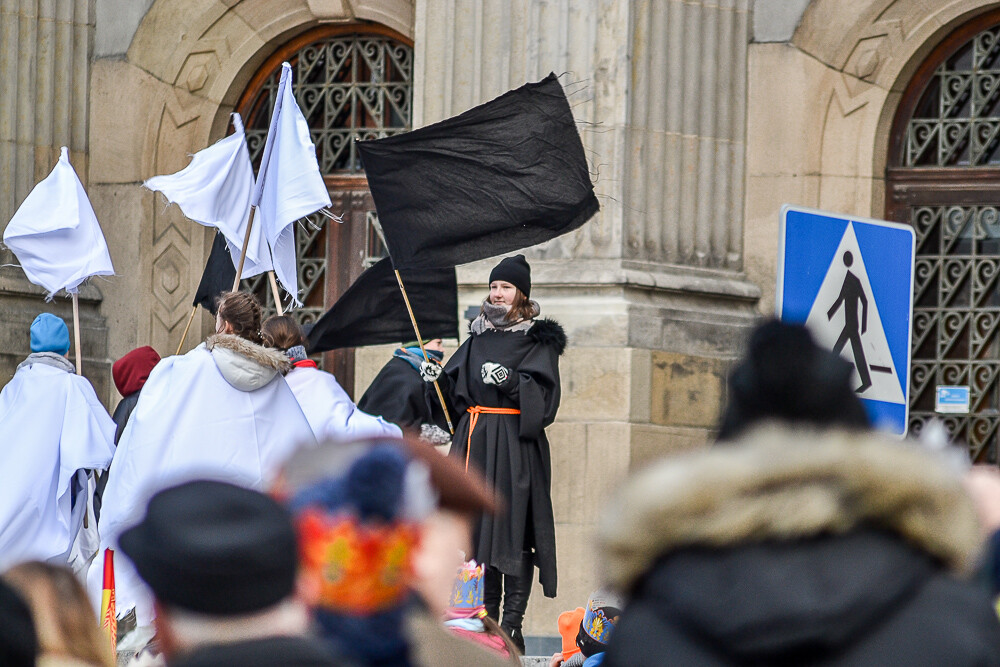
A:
850, 281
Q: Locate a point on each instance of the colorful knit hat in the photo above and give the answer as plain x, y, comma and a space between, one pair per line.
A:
467, 592
358, 531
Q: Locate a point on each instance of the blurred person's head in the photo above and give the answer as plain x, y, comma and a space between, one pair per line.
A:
399, 513
358, 530
239, 313
65, 623
222, 563
786, 377
18, 643
430, 344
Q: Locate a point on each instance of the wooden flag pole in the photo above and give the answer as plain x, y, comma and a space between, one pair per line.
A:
420, 341
186, 329
274, 291
76, 332
243, 252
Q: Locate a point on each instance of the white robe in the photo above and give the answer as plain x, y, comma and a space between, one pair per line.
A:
204, 415
51, 426
330, 411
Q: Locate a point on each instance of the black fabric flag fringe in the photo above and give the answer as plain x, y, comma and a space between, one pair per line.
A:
218, 276
372, 310
502, 176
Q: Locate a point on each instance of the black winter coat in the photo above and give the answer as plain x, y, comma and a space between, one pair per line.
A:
798, 548
511, 450
865, 598
270, 652
399, 395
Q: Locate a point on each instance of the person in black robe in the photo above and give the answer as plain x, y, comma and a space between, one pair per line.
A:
503, 384
403, 392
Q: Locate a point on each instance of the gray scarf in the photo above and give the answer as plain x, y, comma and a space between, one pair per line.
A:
48, 359
494, 316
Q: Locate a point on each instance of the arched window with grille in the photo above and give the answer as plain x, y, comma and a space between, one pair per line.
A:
944, 166
352, 82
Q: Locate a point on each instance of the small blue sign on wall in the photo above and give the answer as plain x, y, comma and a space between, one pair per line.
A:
952, 399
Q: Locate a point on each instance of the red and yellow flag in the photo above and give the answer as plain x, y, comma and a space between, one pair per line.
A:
109, 621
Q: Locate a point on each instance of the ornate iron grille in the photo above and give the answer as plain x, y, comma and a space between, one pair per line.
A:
956, 121
349, 87
956, 320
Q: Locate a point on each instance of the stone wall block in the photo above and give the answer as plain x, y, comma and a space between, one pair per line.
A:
130, 253
595, 383
569, 449
687, 391
651, 442
117, 134
578, 576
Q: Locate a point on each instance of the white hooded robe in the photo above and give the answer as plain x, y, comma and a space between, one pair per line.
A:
223, 412
51, 426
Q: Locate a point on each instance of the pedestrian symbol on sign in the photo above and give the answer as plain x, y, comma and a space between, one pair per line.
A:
850, 294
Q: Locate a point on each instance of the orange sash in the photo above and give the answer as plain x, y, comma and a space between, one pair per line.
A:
477, 410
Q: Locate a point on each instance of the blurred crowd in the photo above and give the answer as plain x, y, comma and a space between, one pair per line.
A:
800, 537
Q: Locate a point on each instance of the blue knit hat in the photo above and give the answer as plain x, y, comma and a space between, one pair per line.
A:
49, 334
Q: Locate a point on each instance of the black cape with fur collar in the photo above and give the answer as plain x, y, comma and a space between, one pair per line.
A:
511, 450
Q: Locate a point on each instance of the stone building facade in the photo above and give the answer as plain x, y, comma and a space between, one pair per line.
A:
700, 119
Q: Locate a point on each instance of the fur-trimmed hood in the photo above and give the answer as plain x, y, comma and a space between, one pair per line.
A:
779, 484
245, 365
549, 332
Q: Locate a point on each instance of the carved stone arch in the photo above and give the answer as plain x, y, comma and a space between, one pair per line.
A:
869, 50
183, 73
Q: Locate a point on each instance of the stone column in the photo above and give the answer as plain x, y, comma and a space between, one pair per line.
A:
650, 291
45, 49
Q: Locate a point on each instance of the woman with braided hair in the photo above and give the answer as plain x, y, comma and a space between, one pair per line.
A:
222, 411
504, 387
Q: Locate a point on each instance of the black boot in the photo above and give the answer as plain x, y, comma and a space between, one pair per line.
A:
515, 600
492, 591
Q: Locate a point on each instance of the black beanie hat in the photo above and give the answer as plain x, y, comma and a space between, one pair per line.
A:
514, 270
215, 548
786, 376
18, 643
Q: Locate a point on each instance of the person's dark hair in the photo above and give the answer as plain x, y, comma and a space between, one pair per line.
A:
65, 621
521, 309
18, 641
492, 628
282, 332
243, 312
785, 376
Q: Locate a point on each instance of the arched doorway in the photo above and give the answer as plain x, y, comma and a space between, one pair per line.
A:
352, 82
944, 164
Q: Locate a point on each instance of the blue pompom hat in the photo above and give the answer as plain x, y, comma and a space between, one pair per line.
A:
49, 334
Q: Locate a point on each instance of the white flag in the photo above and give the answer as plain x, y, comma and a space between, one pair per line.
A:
215, 190
55, 234
289, 183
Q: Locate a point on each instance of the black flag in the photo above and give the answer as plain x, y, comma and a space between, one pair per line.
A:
500, 177
372, 311
218, 276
